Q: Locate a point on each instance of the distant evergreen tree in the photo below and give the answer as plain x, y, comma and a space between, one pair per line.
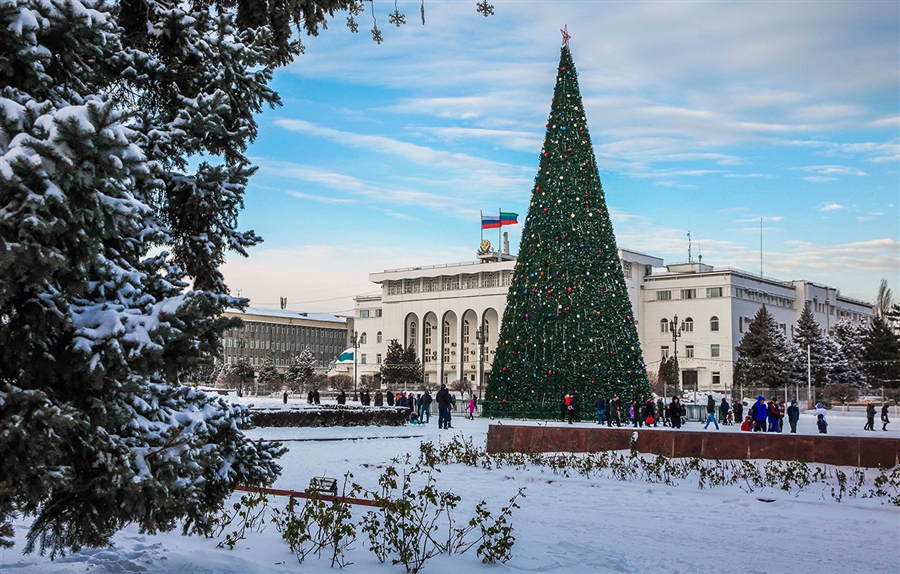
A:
668, 373
882, 355
243, 372
414, 374
268, 373
401, 367
763, 354
808, 333
568, 324
848, 340
302, 367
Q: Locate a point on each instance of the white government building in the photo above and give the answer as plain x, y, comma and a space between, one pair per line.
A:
438, 309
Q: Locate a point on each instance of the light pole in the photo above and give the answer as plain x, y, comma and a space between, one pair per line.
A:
354, 341
676, 331
479, 337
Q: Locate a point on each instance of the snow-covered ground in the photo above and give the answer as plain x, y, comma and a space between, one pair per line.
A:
567, 525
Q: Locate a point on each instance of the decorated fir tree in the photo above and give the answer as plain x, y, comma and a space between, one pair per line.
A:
568, 325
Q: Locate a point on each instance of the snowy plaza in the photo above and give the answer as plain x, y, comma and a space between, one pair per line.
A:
565, 524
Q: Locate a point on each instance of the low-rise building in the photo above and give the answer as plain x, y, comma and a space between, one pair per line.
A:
284, 333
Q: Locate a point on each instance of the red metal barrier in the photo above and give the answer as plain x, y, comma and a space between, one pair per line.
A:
300, 494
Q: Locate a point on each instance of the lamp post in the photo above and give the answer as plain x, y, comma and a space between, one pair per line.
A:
479, 337
354, 341
676, 331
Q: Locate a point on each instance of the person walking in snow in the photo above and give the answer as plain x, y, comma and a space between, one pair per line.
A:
379, 399
600, 406
389, 397
772, 414
870, 417
426, 406
472, 404
793, 415
723, 411
661, 410
884, 416
675, 413
710, 412
443, 401
738, 408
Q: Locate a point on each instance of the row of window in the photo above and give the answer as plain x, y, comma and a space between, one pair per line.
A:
711, 292
233, 343
364, 338
257, 330
759, 297
258, 361
449, 283
714, 351
687, 326
254, 344
366, 313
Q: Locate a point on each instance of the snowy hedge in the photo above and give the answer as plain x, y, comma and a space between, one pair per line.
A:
330, 416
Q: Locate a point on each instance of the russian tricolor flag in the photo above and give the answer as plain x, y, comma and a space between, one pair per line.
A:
494, 221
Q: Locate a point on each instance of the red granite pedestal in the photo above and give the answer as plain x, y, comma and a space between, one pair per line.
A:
836, 450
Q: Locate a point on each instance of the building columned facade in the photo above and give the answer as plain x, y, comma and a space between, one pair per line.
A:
439, 309
284, 334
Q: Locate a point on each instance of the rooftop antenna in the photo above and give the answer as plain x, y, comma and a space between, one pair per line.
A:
690, 259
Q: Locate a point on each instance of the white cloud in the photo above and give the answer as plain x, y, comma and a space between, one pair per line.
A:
831, 170
831, 207
319, 198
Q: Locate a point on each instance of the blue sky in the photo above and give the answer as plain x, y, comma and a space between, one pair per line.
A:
705, 116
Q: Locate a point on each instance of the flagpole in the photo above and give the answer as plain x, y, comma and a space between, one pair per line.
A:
481, 224
500, 235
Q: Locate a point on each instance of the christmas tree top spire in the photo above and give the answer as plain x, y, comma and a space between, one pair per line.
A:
568, 324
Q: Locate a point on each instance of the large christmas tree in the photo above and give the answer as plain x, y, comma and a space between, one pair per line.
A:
568, 324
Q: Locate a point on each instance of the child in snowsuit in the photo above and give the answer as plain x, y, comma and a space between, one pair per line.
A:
823, 426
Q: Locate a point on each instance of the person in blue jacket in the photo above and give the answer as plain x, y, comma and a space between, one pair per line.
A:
600, 405
758, 412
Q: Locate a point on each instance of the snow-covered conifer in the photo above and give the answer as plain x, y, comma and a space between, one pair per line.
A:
302, 367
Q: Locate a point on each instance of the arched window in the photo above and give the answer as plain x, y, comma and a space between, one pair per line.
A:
664, 326
713, 323
427, 333
378, 337
446, 332
412, 335
466, 331
688, 325
362, 339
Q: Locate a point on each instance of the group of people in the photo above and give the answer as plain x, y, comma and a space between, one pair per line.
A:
418, 405
769, 417
870, 416
637, 411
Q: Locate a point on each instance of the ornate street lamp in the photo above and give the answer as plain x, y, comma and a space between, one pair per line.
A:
354, 342
479, 337
676, 332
